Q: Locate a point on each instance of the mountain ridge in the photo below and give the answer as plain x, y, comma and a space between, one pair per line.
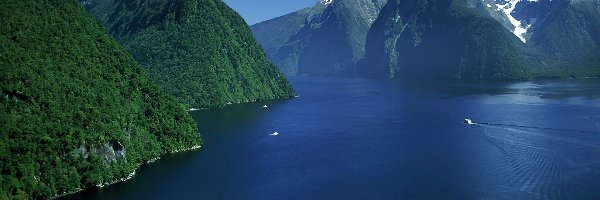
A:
330, 41
200, 51
556, 34
441, 40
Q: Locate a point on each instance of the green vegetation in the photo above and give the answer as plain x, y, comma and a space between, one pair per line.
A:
329, 40
587, 66
573, 32
200, 51
440, 40
568, 43
75, 110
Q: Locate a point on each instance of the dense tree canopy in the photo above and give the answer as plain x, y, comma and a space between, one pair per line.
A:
200, 51
75, 109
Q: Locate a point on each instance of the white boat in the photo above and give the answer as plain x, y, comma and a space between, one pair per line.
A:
275, 133
265, 106
468, 121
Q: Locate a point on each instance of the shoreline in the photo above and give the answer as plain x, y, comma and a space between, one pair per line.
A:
153, 160
243, 102
130, 175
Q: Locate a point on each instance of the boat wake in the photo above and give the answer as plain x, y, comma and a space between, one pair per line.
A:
536, 163
539, 128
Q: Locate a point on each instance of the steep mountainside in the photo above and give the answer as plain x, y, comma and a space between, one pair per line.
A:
76, 110
569, 35
201, 51
273, 34
587, 66
330, 41
440, 40
558, 35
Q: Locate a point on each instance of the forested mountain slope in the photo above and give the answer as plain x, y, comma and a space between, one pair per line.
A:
200, 51
76, 110
560, 38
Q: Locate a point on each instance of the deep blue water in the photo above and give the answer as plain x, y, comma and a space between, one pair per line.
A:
382, 139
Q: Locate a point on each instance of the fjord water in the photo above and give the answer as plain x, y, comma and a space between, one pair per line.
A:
382, 139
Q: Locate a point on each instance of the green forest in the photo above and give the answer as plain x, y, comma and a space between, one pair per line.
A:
200, 51
76, 110
567, 45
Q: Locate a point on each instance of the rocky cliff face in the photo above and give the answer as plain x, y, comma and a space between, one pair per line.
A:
275, 33
445, 39
330, 41
111, 152
462, 39
440, 40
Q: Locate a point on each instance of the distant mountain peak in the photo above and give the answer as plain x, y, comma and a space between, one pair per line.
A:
441, 40
327, 41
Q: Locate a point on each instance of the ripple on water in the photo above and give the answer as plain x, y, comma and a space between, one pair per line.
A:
533, 163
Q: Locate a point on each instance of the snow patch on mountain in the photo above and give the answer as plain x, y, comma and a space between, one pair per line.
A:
507, 8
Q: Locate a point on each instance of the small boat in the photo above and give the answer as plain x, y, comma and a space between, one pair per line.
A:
275, 133
265, 106
468, 121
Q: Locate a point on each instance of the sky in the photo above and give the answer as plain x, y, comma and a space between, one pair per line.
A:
255, 11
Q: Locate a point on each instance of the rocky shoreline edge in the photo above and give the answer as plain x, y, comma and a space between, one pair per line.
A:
130, 175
